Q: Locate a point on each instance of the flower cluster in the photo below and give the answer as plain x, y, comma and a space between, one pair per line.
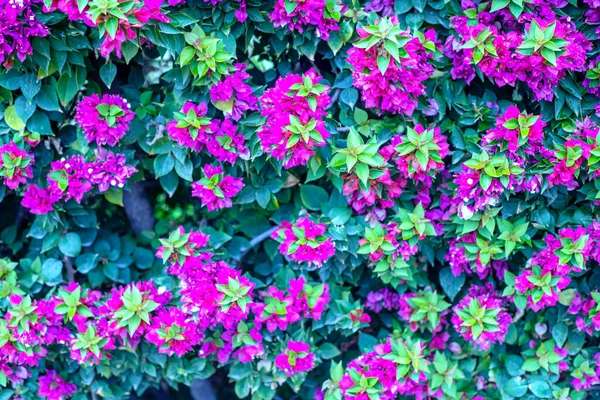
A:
215, 189
294, 108
514, 52
73, 177
279, 308
109, 170
547, 274
481, 318
213, 290
389, 66
173, 332
296, 358
19, 26
515, 130
117, 23
192, 129
104, 120
233, 95
323, 15
394, 368
304, 241
419, 154
15, 165
53, 387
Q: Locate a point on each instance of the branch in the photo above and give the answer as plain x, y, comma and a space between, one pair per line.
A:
317, 70
70, 269
335, 97
257, 240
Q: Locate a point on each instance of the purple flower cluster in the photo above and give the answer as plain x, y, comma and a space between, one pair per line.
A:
216, 190
294, 108
297, 15
233, 95
72, 177
502, 47
480, 317
15, 165
105, 119
18, 25
397, 88
296, 358
304, 241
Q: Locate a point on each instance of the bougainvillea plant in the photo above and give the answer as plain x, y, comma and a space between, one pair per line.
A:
300, 199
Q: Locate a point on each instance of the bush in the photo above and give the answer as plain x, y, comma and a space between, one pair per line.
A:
326, 199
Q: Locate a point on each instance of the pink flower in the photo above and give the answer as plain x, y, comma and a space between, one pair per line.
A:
419, 153
397, 89
71, 176
233, 95
19, 26
144, 299
226, 144
304, 241
480, 317
15, 165
296, 358
53, 387
310, 301
109, 169
380, 196
173, 332
294, 108
39, 201
277, 310
307, 13
512, 60
215, 190
104, 120
191, 127
517, 130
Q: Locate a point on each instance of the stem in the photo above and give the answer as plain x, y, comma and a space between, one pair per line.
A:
343, 129
335, 97
70, 269
317, 70
257, 240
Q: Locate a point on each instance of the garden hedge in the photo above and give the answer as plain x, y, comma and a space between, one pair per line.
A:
300, 199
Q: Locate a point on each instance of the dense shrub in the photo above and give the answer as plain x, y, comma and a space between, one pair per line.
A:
329, 199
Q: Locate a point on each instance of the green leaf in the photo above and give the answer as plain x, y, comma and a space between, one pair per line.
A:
360, 116
383, 64
560, 332
531, 365
12, 119
111, 26
70, 244
108, 73
163, 164
187, 54
541, 389
52, 271
86, 262
499, 5
290, 6
263, 196
516, 387
366, 342
328, 351
313, 197
451, 284
362, 171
